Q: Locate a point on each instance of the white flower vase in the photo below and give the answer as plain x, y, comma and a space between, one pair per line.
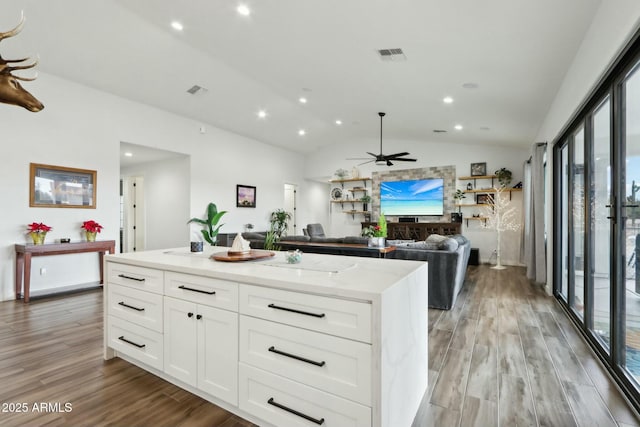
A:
376, 242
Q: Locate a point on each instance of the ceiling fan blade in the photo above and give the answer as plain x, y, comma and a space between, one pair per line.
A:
371, 154
364, 163
357, 158
404, 160
397, 154
389, 163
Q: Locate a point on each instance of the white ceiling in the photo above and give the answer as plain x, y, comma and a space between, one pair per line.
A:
516, 51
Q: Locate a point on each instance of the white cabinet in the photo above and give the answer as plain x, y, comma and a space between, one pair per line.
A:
201, 347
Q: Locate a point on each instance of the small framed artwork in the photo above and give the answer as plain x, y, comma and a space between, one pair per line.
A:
478, 169
484, 199
61, 187
245, 196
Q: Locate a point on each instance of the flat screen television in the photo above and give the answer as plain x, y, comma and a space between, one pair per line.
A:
412, 197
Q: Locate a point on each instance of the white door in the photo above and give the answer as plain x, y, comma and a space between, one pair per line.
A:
133, 214
180, 340
290, 192
218, 353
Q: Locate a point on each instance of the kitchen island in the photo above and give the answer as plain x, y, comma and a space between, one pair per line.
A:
334, 341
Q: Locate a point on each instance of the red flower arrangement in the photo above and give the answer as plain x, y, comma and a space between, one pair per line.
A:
38, 227
91, 226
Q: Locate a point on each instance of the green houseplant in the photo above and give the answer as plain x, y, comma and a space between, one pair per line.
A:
459, 195
210, 227
279, 222
504, 176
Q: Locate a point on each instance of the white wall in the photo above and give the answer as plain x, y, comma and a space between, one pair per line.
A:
612, 27
323, 163
81, 127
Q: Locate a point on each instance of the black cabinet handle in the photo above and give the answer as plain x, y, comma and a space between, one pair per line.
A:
293, 356
199, 316
189, 314
294, 412
137, 279
122, 338
122, 303
306, 313
196, 290
630, 206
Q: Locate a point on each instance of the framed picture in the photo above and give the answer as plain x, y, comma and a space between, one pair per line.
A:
478, 169
245, 196
484, 199
61, 187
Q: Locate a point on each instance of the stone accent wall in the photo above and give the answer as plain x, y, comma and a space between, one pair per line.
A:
448, 173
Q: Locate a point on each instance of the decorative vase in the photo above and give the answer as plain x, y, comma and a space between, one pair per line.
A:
38, 238
91, 236
376, 242
355, 172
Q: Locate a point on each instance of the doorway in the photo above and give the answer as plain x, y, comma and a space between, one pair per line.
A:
290, 195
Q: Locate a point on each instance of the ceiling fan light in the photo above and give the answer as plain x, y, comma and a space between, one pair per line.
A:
381, 163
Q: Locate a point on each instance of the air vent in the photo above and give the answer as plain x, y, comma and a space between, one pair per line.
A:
439, 131
392, 54
196, 89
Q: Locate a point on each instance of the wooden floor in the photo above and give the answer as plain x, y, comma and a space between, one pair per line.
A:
505, 355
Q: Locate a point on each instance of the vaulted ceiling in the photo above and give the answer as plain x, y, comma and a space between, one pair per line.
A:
513, 54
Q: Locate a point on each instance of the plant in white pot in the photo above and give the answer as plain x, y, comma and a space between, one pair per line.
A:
210, 227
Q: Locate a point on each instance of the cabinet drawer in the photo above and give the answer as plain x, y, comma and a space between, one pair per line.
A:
348, 319
336, 365
135, 341
147, 279
140, 307
266, 396
202, 290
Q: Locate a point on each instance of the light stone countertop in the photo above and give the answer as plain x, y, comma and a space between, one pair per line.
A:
350, 277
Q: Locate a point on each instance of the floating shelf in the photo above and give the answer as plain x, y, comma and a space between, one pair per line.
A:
491, 190
471, 205
469, 178
476, 218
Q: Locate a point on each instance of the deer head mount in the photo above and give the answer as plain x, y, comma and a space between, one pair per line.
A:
11, 91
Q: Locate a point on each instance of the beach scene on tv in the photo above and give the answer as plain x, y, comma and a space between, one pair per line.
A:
412, 197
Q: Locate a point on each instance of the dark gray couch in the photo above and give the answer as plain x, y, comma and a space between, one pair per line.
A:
447, 266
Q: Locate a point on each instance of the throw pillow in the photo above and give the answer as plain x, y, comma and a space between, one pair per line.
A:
436, 238
433, 246
448, 245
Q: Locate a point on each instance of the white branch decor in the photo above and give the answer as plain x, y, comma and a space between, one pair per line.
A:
500, 216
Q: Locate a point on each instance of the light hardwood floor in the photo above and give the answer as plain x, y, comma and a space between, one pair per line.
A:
505, 355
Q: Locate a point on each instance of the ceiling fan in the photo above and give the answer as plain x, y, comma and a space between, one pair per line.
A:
384, 159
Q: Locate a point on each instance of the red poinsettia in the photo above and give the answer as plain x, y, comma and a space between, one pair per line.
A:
91, 226
38, 227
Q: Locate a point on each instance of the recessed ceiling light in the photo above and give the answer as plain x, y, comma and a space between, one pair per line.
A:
470, 85
447, 100
128, 154
262, 114
243, 10
458, 127
302, 100
302, 132
177, 26
338, 122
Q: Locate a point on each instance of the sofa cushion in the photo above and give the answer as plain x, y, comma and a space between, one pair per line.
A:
399, 242
460, 239
327, 239
315, 230
356, 239
448, 244
433, 246
436, 238
295, 239
250, 235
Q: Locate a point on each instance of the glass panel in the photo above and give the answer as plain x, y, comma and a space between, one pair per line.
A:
631, 224
601, 225
565, 227
578, 222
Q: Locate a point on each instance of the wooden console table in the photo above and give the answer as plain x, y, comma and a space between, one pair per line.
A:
418, 230
24, 253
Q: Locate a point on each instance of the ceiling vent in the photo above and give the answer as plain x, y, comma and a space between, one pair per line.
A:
439, 131
195, 89
392, 54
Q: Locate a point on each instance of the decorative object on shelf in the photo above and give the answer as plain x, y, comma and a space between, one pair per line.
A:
518, 185
504, 176
248, 227
294, 257
459, 195
61, 187
456, 216
384, 159
65, 240
341, 173
240, 246
355, 172
478, 169
377, 234
210, 224
366, 199
197, 246
501, 216
245, 196
38, 231
336, 193
11, 91
469, 186
484, 199
91, 228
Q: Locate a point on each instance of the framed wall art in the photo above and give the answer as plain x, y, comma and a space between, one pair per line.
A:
478, 169
61, 187
245, 196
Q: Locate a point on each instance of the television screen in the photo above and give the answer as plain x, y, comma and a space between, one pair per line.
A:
415, 197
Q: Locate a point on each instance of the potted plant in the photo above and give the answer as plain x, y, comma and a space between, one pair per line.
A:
279, 222
376, 233
210, 227
366, 199
504, 176
91, 228
38, 231
342, 173
459, 195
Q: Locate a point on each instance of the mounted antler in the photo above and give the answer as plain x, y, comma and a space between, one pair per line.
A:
11, 92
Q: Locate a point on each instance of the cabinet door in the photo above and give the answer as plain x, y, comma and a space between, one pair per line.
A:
180, 340
218, 353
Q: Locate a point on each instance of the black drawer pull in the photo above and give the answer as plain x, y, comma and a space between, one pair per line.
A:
306, 313
294, 412
122, 303
122, 338
197, 290
293, 356
137, 279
